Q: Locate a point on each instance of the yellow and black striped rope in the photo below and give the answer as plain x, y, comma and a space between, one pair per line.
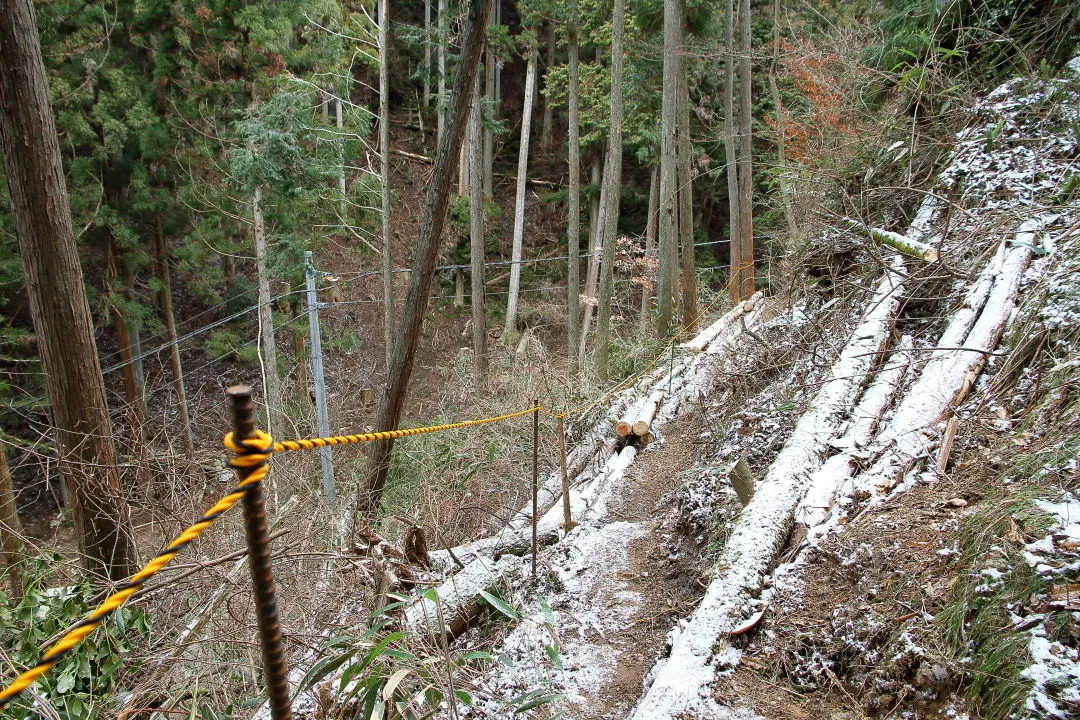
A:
252, 455
310, 443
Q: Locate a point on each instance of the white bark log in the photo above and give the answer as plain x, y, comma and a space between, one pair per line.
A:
948, 374
709, 334
681, 681
460, 597
830, 477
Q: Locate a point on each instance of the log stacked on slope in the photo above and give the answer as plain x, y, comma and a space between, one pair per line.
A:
827, 481
949, 374
680, 684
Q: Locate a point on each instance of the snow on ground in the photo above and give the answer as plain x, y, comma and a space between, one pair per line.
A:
1055, 668
681, 683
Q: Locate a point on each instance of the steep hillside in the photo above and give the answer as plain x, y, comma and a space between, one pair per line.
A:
911, 544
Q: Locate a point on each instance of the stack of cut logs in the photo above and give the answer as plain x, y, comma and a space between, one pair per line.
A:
632, 434
635, 431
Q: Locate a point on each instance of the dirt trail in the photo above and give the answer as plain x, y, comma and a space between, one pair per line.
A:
659, 571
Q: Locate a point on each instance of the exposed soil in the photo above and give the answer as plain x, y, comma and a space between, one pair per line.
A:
662, 569
849, 632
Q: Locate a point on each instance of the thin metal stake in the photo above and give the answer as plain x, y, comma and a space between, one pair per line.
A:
322, 419
568, 523
535, 480
262, 577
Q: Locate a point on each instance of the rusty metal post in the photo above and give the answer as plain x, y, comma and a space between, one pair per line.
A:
535, 480
262, 577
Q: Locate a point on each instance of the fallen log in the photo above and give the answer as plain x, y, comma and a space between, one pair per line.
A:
900, 243
709, 334
460, 600
681, 681
950, 372
834, 472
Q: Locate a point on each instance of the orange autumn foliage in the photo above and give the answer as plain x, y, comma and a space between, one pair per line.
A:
828, 121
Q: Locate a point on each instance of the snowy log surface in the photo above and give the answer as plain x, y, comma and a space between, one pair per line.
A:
973, 333
835, 471
681, 683
588, 501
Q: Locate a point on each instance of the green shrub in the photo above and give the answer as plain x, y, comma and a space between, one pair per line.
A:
85, 684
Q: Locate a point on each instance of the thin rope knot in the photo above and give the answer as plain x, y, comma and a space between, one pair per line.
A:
251, 452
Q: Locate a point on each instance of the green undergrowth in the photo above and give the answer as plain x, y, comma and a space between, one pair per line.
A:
85, 684
992, 577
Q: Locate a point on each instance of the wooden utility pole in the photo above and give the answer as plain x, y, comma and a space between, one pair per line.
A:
58, 304
427, 251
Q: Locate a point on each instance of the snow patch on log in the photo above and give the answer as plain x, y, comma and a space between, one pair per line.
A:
681, 683
973, 333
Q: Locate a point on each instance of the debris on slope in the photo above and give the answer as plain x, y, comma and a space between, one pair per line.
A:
681, 682
879, 575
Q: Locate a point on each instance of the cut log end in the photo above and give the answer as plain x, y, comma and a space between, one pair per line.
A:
623, 429
641, 428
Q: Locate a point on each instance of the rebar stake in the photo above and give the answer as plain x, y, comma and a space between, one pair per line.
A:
262, 577
535, 481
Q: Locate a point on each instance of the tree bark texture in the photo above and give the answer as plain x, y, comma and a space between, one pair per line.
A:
573, 225
731, 157
11, 531
427, 250
116, 285
490, 63
510, 329
545, 127
427, 54
476, 234
650, 244
384, 174
440, 102
613, 181
667, 289
688, 291
596, 238
58, 303
746, 170
165, 277
781, 130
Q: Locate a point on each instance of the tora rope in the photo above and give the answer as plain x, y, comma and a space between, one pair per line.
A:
309, 443
254, 453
